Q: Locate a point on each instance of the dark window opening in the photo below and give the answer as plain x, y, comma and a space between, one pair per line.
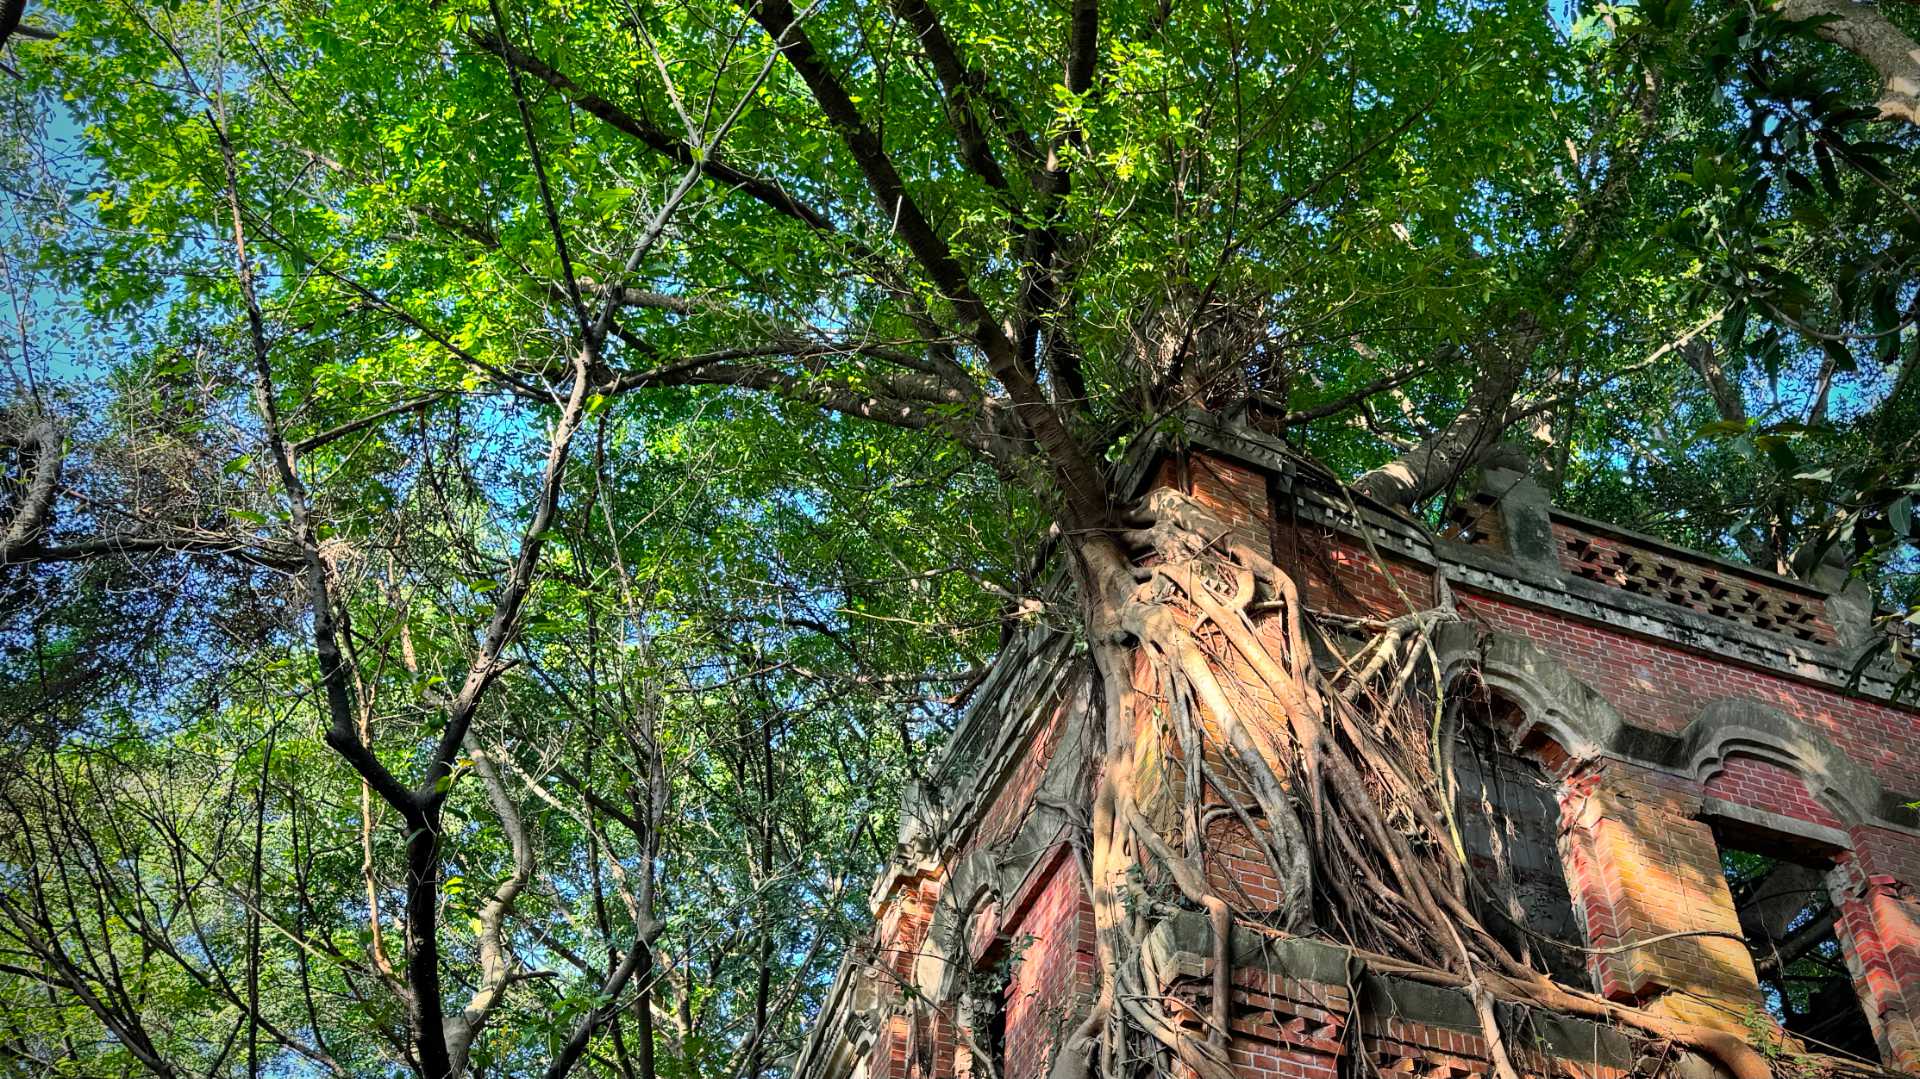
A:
1509, 815
986, 1015
1787, 917
994, 1040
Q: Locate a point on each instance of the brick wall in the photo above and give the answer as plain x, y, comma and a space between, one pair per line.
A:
1698, 584
1879, 930
1052, 967
1641, 866
1238, 495
1640, 861
1010, 805
910, 1044
1662, 686
1749, 781
1285, 1028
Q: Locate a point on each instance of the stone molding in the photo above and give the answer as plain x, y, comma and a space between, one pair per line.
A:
1535, 577
1550, 695
1718, 809
1734, 726
1581, 720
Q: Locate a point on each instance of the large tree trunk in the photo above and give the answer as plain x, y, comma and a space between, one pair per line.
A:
1436, 463
1212, 707
1863, 30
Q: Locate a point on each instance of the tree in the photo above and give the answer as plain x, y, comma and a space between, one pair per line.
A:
392, 265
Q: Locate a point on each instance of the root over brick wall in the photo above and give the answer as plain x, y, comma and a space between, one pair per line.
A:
1656, 745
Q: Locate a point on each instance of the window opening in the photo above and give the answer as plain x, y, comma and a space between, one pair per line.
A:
1787, 916
1508, 810
985, 1002
994, 1040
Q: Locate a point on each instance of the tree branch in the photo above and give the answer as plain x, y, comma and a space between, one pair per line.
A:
1865, 31
265, 556
1504, 355
766, 191
496, 963
957, 87
897, 400
1081, 492
315, 441
38, 453
1357, 396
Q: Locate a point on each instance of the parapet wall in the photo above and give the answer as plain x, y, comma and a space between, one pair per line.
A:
1676, 702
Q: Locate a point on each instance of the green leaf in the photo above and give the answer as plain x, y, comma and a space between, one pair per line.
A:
1723, 428
1733, 330
1829, 177
1838, 354
1779, 450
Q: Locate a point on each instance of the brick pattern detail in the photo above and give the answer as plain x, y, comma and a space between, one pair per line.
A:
1764, 785
1641, 866
1663, 686
1053, 975
1879, 930
911, 1044
1476, 522
1239, 869
1238, 496
1287, 1029
1711, 590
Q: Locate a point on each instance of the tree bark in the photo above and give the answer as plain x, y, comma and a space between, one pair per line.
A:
1865, 31
1728, 398
38, 453
1437, 462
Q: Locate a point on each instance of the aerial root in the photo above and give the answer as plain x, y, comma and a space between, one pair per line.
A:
1339, 777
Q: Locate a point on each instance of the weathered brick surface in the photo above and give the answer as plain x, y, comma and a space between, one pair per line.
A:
1287, 1029
1697, 584
1880, 931
1640, 862
1749, 781
1052, 971
1653, 684
1662, 687
1641, 867
1009, 807
905, 917
907, 1045
1237, 495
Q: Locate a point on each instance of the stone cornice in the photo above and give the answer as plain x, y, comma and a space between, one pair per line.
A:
1537, 583
1487, 572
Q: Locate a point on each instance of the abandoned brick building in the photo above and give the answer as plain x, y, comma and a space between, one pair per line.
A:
1664, 744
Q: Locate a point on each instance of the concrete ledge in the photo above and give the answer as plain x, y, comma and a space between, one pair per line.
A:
1774, 822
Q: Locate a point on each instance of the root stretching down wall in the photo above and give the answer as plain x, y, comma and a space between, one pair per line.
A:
1324, 742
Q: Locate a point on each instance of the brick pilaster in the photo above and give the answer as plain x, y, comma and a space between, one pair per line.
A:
1879, 931
1643, 867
